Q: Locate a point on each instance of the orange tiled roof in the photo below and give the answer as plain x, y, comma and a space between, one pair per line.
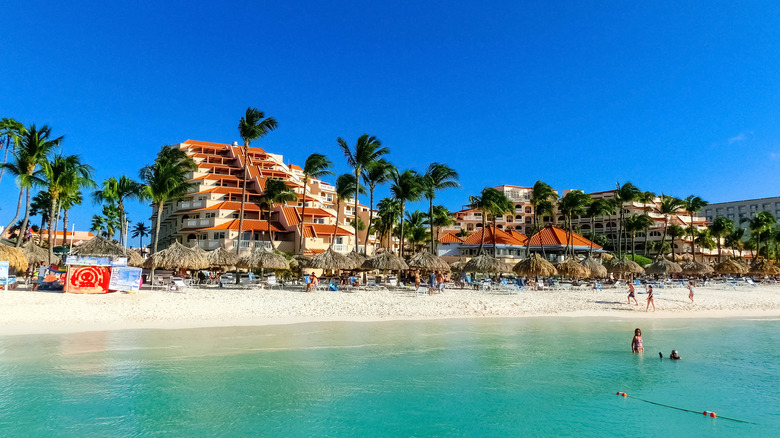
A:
313, 251
291, 215
231, 205
450, 238
249, 225
556, 236
324, 230
501, 237
295, 166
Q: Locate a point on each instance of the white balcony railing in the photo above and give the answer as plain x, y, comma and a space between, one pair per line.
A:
204, 222
186, 204
340, 247
191, 223
196, 204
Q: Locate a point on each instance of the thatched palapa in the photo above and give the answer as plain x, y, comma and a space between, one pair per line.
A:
34, 254
301, 261
682, 258
662, 266
764, 268
696, 268
357, 259
99, 247
731, 266
177, 256
385, 260
572, 268
264, 259
429, 262
222, 258
535, 265
134, 258
486, 264
624, 266
330, 259
597, 270
14, 256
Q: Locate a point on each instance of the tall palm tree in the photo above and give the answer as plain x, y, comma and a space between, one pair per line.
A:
634, 224
65, 175
346, 186
116, 192
762, 223
276, 192
675, 232
705, 240
41, 204
388, 211
316, 166
251, 127
406, 187
598, 207
140, 230
437, 177
721, 228
734, 240
375, 173
367, 149
11, 131
98, 225
109, 221
693, 204
626, 193
542, 200
574, 203
416, 229
669, 206
67, 201
441, 218
498, 206
491, 203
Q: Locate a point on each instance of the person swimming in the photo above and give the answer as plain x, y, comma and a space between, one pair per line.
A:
674, 355
636, 342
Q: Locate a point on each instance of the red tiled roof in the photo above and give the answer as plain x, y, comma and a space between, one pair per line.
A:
249, 225
450, 238
292, 216
231, 205
556, 236
295, 166
501, 237
323, 230
313, 251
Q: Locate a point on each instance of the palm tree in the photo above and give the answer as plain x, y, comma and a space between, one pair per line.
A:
734, 240
166, 180
693, 204
346, 186
41, 203
12, 131
575, 202
116, 192
376, 172
316, 166
598, 207
33, 150
635, 223
669, 205
367, 150
276, 192
65, 175
675, 232
626, 193
67, 201
437, 177
542, 200
98, 225
415, 227
721, 228
441, 218
108, 223
251, 127
388, 211
760, 224
406, 187
140, 230
491, 203
705, 240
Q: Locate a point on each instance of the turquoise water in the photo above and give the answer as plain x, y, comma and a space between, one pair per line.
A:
493, 377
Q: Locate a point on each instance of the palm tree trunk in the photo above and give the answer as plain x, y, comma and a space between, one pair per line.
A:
482, 240
56, 224
303, 216
430, 223
5, 155
156, 237
403, 210
50, 226
592, 234
26, 219
243, 199
270, 233
370, 220
357, 189
336, 227
495, 254
693, 241
16, 216
40, 229
64, 227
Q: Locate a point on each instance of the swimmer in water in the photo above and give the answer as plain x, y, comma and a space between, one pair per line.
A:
674, 355
636, 342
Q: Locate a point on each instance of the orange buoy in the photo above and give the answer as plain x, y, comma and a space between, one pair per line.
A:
713, 414
623, 394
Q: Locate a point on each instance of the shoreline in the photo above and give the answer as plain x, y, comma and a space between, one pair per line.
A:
27, 312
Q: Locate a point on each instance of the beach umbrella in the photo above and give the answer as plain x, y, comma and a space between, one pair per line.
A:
330, 259
134, 259
606, 256
264, 259
572, 268
458, 265
663, 266
385, 260
99, 247
534, 266
14, 256
485, 263
597, 270
731, 266
34, 254
428, 262
177, 256
695, 268
222, 258
682, 258
623, 266
301, 261
357, 259
764, 268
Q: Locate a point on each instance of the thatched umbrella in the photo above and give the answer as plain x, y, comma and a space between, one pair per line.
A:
34, 254
624, 266
486, 264
301, 260
458, 265
764, 268
429, 262
606, 256
572, 268
14, 256
357, 259
663, 266
683, 257
731, 266
597, 270
99, 247
534, 266
134, 259
330, 259
177, 256
385, 260
695, 268
222, 258
264, 259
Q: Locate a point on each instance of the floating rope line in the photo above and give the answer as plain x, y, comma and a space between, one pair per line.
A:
706, 413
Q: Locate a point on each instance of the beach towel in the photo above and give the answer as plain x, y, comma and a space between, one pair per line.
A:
333, 286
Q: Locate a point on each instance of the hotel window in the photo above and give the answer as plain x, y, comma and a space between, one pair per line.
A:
528, 209
731, 216
210, 215
753, 207
219, 235
730, 209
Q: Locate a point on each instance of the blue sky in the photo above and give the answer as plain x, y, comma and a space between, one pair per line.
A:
680, 98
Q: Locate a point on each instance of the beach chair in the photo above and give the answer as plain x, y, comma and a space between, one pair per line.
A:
750, 282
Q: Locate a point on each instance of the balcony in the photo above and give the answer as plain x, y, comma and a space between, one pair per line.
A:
341, 247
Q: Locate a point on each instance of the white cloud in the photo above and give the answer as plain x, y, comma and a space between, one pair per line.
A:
741, 137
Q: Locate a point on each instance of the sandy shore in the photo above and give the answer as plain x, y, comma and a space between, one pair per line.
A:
23, 311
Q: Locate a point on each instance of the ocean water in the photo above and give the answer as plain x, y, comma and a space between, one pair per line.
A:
484, 377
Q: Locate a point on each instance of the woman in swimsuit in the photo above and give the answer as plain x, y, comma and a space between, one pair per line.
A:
631, 293
650, 298
690, 291
636, 343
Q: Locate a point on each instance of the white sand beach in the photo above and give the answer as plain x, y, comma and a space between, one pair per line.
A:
23, 311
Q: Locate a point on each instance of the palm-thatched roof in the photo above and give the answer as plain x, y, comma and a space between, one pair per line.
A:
177, 256
682, 258
264, 259
695, 268
34, 254
764, 268
572, 268
330, 259
623, 266
385, 260
221, 258
597, 270
606, 256
300, 260
663, 266
486, 264
14, 256
731, 266
535, 265
134, 258
429, 262
99, 247
458, 265
357, 259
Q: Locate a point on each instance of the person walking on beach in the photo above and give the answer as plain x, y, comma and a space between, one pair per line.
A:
631, 292
416, 280
690, 291
439, 282
636, 342
313, 281
650, 298
431, 283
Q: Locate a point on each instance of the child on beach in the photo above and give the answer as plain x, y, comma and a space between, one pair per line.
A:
313, 281
650, 298
636, 343
631, 293
690, 291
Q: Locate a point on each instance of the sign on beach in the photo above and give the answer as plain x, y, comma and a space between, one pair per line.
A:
87, 261
125, 279
4, 266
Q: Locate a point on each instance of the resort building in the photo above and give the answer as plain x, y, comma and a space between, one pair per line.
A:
741, 211
60, 238
209, 215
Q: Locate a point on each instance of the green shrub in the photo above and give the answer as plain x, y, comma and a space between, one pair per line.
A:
641, 260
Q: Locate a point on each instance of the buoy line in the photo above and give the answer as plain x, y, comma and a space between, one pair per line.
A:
706, 413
